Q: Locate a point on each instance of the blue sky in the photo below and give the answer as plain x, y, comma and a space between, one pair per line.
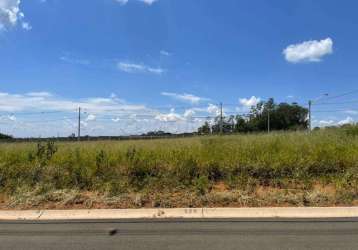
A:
171, 60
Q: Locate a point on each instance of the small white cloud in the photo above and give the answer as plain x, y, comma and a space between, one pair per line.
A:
308, 51
324, 123
171, 117
348, 120
148, 2
130, 67
39, 94
26, 26
84, 124
91, 117
157, 71
213, 109
189, 113
185, 97
138, 68
71, 60
11, 14
122, 2
100, 100
165, 53
249, 102
351, 112
12, 118
117, 119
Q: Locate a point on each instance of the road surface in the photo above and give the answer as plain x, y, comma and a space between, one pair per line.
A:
181, 234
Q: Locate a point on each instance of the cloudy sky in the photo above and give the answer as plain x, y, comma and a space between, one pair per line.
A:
139, 65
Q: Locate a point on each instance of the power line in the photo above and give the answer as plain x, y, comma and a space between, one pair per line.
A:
332, 111
44, 121
33, 113
341, 95
337, 103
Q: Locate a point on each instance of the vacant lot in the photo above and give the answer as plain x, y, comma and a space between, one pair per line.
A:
280, 169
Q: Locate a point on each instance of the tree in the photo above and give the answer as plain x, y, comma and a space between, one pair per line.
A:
283, 116
5, 137
205, 129
241, 125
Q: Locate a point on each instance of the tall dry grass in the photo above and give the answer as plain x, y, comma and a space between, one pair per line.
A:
287, 160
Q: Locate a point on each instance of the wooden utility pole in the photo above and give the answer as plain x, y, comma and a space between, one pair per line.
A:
268, 120
309, 116
221, 118
79, 124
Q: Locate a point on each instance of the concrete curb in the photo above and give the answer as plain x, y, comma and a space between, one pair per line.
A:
184, 213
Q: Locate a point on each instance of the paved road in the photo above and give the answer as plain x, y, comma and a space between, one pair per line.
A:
181, 234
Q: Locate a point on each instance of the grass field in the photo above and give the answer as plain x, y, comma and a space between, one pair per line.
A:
280, 169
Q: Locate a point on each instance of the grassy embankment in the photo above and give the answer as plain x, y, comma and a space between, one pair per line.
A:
280, 169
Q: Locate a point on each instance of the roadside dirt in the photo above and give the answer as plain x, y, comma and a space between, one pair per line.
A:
220, 195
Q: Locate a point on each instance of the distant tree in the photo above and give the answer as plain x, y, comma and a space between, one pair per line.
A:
241, 125
5, 137
156, 133
283, 116
205, 129
73, 135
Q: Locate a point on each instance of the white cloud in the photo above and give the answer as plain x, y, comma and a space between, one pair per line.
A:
84, 123
348, 120
131, 67
165, 53
185, 97
46, 114
148, 2
324, 123
26, 26
308, 51
158, 71
189, 113
249, 102
171, 117
72, 60
122, 2
90, 117
39, 94
213, 109
138, 68
12, 117
117, 119
44, 101
351, 112
11, 14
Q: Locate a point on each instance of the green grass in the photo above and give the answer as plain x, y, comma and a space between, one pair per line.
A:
290, 168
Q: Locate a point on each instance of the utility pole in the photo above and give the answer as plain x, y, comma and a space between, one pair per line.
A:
268, 120
309, 116
79, 124
221, 118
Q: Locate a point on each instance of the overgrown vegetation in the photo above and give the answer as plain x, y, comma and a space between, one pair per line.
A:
286, 168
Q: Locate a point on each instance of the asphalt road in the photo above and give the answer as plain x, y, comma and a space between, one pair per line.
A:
181, 234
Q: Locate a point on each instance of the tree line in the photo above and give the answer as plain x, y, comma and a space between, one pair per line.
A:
5, 137
261, 117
